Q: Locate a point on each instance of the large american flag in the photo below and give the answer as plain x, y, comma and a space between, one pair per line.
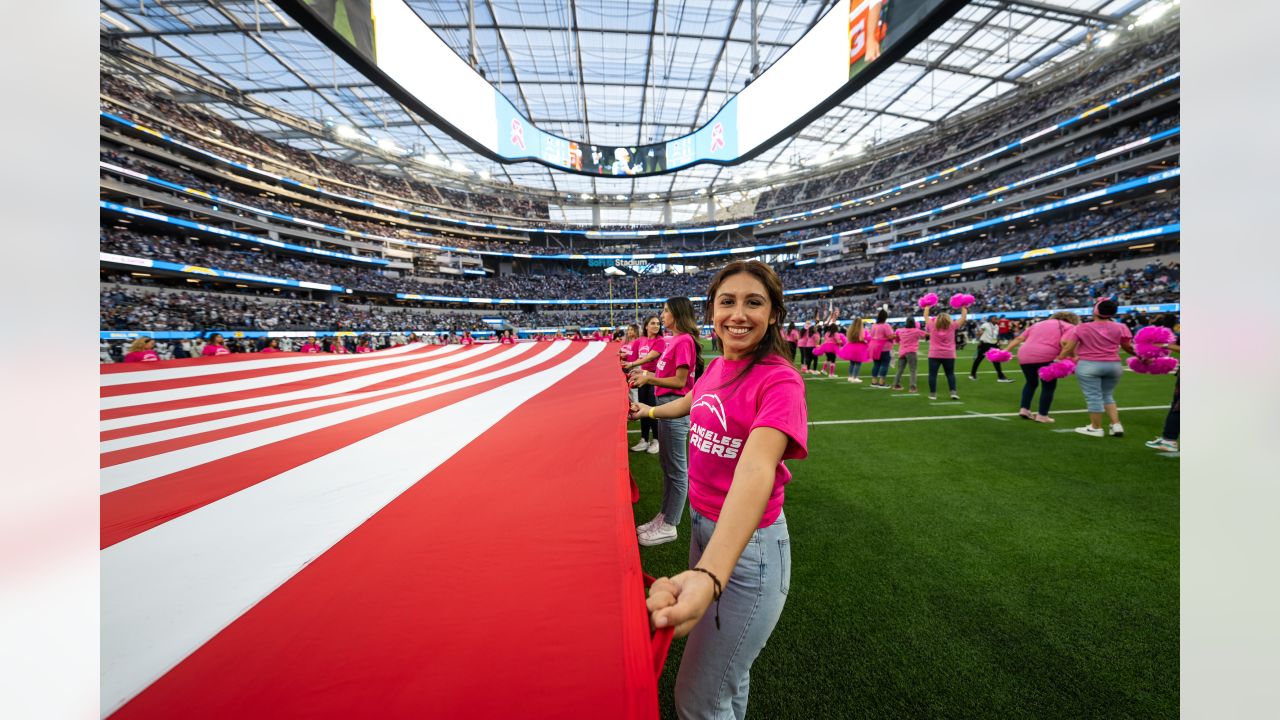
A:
426, 531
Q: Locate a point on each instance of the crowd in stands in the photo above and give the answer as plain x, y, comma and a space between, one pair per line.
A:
198, 127
1081, 224
977, 137
1015, 173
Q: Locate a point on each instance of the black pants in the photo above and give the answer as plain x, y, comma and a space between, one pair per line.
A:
982, 354
1172, 424
806, 356
948, 366
647, 426
1031, 372
793, 350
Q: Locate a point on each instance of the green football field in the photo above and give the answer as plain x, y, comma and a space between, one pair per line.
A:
951, 560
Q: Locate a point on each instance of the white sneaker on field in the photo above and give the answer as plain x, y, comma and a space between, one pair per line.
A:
640, 446
653, 447
1117, 430
658, 535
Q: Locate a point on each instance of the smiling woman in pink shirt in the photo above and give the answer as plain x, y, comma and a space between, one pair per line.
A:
747, 415
1037, 346
942, 349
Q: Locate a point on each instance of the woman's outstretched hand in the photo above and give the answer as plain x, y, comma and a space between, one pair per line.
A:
638, 410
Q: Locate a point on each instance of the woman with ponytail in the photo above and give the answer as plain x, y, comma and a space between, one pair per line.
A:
678, 366
748, 414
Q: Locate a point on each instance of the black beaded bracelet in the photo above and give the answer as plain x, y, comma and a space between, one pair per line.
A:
716, 594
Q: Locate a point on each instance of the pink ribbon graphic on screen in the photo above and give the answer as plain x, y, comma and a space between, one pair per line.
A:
717, 136
517, 133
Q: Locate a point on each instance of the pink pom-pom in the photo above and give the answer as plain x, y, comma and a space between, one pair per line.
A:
1057, 369
853, 352
825, 348
960, 300
1154, 335
1153, 366
1000, 356
929, 300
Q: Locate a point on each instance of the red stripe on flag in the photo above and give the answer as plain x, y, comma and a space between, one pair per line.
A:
507, 583
385, 385
138, 508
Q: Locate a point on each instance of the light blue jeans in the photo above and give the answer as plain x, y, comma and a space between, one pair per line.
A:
1098, 381
715, 671
673, 455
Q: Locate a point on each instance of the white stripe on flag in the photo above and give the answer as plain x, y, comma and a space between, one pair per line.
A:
141, 470
184, 430
169, 590
204, 370
256, 383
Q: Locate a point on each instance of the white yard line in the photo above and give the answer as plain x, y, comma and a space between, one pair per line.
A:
993, 417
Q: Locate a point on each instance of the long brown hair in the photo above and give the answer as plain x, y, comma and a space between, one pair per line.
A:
942, 321
773, 342
644, 329
686, 323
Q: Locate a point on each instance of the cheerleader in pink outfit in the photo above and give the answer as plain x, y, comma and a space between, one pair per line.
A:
142, 350
881, 338
855, 349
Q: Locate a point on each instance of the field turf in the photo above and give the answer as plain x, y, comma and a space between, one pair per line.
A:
967, 566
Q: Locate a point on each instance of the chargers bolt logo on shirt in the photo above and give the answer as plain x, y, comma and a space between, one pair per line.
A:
709, 441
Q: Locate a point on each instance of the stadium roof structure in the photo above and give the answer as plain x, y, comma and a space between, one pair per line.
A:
618, 72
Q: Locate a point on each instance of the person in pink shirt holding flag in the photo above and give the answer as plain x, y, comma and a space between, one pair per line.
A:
648, 348
310, 346
338, 346
942, 349
272, 346
881, 341
677, 368
1097, 346
142, 349
747, 415
215, 347
908, 339
1037, 346
365, 344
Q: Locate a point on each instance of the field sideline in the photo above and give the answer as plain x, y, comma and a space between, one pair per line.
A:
954, 561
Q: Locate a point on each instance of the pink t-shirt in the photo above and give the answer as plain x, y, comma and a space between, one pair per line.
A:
644, 346
142, 356
793, 336
367, 349
506, 340
942, 343
807, 340
309, 348
909, 339
1100, 341
881, 338
681, 351
467, 340
338, 348
724, 413
630, 351
1043, 341
211, 350
269, 349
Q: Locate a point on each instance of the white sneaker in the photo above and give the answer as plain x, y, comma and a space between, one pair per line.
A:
1005, 380
856, 380
1162, 444
653, 447
646, 527
1117, 430
640, 446
658, 535
1090, 431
